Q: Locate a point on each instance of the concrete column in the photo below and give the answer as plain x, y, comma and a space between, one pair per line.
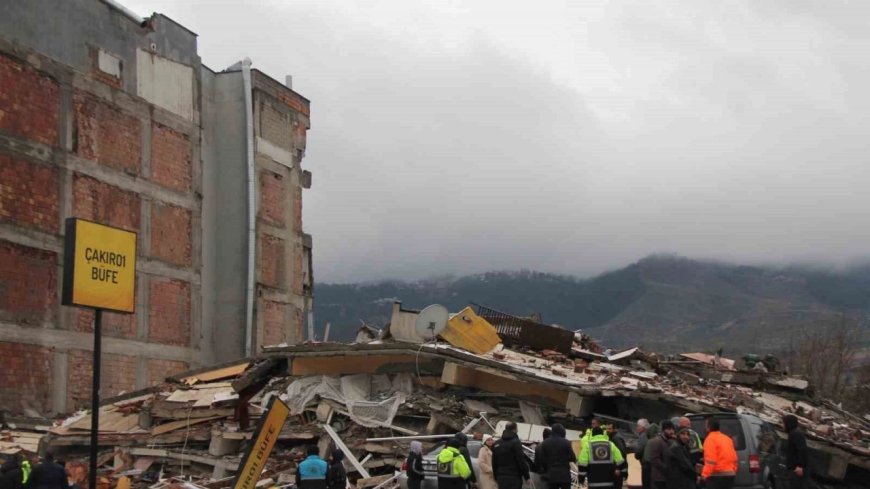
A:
59, 373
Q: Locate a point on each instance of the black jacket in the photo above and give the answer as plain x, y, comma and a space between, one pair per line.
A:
555, 456
620, 444
48, 475
336, 476
12, 475
796, 451
508, 459
463, 449
415, 467
679, 467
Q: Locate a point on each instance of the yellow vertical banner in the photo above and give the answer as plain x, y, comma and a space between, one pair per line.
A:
263, 442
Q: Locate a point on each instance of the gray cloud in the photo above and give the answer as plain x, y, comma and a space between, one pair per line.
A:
469, 138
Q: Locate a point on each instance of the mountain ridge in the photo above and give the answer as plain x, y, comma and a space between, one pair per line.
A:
662, 302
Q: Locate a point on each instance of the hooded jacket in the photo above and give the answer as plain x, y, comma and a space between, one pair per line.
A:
462, 438
796, 451
508, 459
336, 476
415, 462
555, 457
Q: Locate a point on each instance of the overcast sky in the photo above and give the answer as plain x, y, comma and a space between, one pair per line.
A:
574, 136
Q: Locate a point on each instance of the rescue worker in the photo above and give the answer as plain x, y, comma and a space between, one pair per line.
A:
311, 473
679, 467
601, 462
453, 470
554, 459
509, 461
796, 456
26, 469
696, 446
720, 458
584, 440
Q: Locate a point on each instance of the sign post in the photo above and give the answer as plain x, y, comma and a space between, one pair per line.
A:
262, 443
99, 272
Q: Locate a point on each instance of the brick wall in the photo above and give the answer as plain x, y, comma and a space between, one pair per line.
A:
117, 375
106, 135
26, 377
28, 194
297, 209
101, 202
28, 284
29, 102
275, 126
170, 158
277, 321
114, 324
170, 233
169, 314
273, 199
158, 370
272, 261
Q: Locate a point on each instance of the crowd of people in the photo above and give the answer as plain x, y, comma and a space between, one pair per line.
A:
672, 456
19, 473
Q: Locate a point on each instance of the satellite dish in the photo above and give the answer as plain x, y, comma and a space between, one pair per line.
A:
431, 321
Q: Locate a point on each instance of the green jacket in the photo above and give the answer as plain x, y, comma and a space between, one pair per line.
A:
583, 459
452, 464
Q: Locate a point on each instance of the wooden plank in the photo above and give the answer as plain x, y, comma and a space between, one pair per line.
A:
182, 423
339, 365
221, 373
471, 332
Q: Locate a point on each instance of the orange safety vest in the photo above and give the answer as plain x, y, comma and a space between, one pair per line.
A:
720, 458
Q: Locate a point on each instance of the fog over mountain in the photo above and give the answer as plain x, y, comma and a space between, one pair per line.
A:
567, 137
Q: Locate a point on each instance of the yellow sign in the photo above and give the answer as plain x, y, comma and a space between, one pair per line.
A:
99, 268
264, 441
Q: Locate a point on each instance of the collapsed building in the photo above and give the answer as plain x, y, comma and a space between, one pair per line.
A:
372, 397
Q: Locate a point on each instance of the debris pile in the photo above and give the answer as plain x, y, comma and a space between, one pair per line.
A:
371, 399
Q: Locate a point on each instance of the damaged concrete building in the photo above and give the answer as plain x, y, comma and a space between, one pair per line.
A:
114, 118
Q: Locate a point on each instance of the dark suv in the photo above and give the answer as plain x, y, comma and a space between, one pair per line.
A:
759, 463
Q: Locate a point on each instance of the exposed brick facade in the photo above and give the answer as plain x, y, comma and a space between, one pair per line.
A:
297, 209
169, 316
274, 126
107, 135
29, 102
28, 284
170, 158
158, 370
28, 193
104, 203
26, 377
273, 199
114, 324
170, 234
272, 261
277, 321
117, 375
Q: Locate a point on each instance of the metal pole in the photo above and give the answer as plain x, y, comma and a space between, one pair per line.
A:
95, 399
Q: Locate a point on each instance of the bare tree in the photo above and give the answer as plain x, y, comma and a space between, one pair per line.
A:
825, 351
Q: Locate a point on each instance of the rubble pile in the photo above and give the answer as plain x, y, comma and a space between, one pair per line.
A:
371, 399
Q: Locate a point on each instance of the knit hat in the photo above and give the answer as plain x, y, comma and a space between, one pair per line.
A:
667, 425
